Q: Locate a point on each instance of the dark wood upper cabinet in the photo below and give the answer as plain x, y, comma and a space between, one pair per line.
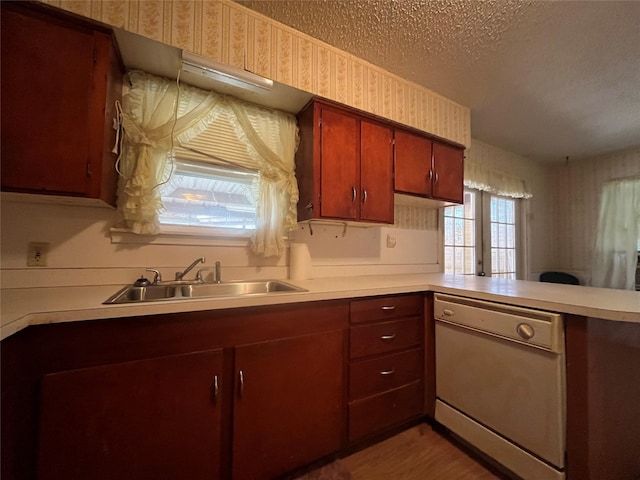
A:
448, 178
344, 165
60, 78
339, 165
412, 164
428, 168
376, 172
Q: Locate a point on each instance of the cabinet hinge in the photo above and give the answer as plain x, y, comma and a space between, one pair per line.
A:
88, 169
95, 55
320, 122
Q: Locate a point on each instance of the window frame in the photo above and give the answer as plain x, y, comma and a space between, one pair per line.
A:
483, 234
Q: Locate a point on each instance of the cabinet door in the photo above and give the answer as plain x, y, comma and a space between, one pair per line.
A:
448, 165
412, 164
289, 404
60, 79
340, 171
47, 70
376, 172
147, 419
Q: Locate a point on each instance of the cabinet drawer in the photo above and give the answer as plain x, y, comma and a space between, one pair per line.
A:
382, 308
384, 373
385, 410
384, 337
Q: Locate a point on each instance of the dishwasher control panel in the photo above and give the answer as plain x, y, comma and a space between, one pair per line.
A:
537, 328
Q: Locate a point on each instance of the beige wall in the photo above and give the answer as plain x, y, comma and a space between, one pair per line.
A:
82, 251
230, 33
576, 188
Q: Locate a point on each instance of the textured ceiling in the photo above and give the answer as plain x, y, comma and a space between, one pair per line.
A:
544, 79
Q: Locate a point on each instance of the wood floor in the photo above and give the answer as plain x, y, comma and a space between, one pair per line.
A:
419, 453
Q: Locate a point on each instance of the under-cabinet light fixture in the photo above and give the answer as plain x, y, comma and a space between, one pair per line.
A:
221, 72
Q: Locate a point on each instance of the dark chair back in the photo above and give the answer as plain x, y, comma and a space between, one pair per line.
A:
559, 277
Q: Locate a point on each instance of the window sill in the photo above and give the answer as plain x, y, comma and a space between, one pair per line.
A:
183, 236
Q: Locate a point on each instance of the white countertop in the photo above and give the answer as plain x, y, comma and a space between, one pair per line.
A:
20, 308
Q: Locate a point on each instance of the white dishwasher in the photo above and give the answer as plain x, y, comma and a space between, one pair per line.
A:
500, 382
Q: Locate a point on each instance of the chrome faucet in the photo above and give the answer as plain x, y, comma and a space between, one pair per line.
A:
180, 275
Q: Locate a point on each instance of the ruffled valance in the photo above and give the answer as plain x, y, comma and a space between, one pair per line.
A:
481, 177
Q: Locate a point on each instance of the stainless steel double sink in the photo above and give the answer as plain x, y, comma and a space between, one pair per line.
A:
152, 293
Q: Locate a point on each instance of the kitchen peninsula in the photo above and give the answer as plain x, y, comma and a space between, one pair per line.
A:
602, 329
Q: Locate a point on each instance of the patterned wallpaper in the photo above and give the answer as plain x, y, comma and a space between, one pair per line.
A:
415, 217
576, 188
230, 33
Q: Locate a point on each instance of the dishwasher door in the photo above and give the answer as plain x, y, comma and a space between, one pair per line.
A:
488, 370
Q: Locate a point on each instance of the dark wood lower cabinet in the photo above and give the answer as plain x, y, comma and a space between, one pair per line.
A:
288, 407
136, 398
148, 419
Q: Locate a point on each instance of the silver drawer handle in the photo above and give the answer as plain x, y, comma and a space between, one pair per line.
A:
448, 312
525, 330
389, 307
388, 372
241, 378
388, 338
216, 388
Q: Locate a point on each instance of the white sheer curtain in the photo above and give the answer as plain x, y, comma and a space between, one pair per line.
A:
156, 116
152, 119
614, 263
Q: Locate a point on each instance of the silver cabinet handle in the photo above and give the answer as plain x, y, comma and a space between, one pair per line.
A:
241, 379
364, 195
353, 194
448, 312
388, 372
216, 388
436, 178
430, 175
388, 338
389, 307
525, 330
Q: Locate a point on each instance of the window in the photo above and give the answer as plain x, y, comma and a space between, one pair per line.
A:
204, 195
503, 237
161, 120
480, 237
460, 237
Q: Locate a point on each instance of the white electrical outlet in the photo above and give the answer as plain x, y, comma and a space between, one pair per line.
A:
37, 254
391, 240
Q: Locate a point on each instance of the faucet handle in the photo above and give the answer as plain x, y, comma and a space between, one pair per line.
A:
157, 276
199, 277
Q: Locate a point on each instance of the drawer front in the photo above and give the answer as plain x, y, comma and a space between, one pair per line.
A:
382, 308
384, 411
380, 374
384, 337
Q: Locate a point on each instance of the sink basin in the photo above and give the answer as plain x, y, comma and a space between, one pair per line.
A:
151, 293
